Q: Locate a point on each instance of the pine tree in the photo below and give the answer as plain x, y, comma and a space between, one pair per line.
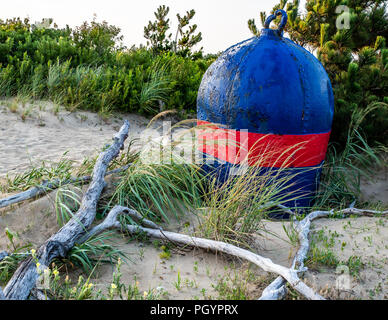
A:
156, 31
188, 39
186, 36
349, 38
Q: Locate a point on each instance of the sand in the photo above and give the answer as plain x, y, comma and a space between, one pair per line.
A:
44, 135
47, 135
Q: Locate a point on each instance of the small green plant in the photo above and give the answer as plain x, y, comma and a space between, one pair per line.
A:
26, 112
166, 253
11, 235
117, 288
178, 282
13, 106
195, 268
235, 285
321, 256
355, 264
157, 244
64, 290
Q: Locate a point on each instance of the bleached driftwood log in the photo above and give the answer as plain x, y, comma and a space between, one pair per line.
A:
111, 221
277, 289
48, 186
155, 232
25, 277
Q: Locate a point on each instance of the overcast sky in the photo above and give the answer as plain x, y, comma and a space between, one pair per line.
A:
222, 22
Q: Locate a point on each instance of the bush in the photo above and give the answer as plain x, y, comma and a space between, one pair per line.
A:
87, 67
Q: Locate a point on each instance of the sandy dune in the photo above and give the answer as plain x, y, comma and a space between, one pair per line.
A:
47, 136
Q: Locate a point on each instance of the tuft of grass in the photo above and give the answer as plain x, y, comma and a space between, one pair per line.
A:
155, 91
178, 282
13, 106
321, 256
92, 252
291, 233
233, 210
166, 253
36, 175
156, 190
67, 202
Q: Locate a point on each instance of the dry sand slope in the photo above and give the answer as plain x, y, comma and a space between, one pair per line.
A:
46, 135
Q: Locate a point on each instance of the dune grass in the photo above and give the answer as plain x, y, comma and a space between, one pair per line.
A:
61, 170
342, 172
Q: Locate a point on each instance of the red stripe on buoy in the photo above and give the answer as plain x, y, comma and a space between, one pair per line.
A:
265, 150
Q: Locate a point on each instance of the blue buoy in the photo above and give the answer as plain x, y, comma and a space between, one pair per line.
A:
275, 94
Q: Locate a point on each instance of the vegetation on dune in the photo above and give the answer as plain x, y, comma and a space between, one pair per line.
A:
89, 68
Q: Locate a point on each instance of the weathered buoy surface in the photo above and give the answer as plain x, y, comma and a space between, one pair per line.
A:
276, 98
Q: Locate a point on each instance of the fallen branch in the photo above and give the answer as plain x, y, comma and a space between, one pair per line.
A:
266, 264
25, 277
277, 289
112, 219
48, 186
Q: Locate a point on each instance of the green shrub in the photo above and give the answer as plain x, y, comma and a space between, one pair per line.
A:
88, 68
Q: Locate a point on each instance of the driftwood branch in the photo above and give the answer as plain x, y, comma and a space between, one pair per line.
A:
277, 289
266, 264
25, 277
155, 232
48, 186
111, 221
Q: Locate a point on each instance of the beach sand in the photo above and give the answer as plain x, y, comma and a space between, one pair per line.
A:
46, 134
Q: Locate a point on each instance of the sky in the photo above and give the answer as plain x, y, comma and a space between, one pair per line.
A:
222, 22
